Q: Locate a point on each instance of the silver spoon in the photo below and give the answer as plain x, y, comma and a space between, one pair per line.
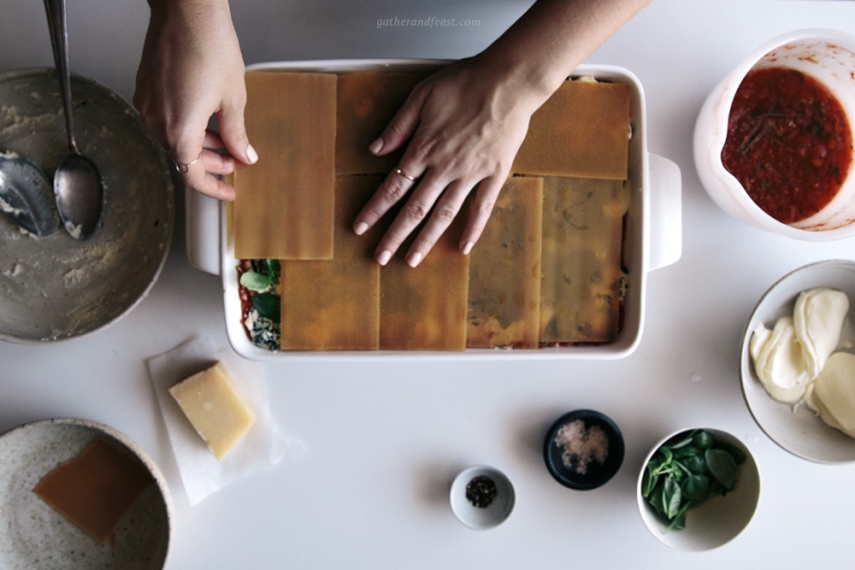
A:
26, 196
76, 182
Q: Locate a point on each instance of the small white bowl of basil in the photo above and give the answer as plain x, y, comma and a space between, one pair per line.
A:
698, 489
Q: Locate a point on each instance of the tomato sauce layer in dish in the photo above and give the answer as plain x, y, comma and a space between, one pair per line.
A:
789, 143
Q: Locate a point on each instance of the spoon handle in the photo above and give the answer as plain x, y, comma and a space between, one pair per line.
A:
58, 26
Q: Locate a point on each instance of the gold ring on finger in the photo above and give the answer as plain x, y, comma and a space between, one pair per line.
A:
184, 167
404, 174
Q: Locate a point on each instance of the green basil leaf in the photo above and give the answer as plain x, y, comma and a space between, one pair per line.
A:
686, 451
696, 464
267, 305
255, 281
722, 465
680, 440
703, 439
679, 522
696, 488
737, 454
650, 477
657, 498
672, 497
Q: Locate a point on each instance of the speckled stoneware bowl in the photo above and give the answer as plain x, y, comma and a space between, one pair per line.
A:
56, 287
34, 536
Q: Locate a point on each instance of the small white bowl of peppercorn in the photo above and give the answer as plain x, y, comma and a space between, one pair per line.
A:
773, 142
482, 497
698, 489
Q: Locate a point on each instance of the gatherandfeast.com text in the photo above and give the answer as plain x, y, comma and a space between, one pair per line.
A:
432, 22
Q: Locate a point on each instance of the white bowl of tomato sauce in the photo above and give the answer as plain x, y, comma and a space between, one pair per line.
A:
774, 140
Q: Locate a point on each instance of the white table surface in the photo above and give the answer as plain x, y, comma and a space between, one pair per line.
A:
384, 440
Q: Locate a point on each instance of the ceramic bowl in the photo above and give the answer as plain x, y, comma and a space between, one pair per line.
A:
57, 287
481, 517
798, 429
573, 463
35, 535
715, 522
821, 54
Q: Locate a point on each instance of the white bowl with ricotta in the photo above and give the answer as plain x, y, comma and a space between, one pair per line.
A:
794, 426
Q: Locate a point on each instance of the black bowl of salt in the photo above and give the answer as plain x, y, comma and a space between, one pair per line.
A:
583, 449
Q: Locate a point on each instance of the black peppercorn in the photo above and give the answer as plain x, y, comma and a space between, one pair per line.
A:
481, 491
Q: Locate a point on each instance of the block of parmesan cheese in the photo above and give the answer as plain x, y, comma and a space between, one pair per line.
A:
424, 308
215, 407
582, 130
366, 103
284, 203
580, 292
335, 305
504, 270
97, 488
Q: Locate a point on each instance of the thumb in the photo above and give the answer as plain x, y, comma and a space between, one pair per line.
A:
233, 134
402, 125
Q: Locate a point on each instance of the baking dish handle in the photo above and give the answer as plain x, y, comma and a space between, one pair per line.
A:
666, 221
203, 231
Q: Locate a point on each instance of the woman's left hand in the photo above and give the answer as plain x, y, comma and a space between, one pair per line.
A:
465, 125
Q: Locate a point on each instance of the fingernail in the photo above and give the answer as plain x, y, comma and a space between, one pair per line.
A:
251, 154
360, 228
414, 259
376, 146
384, 256
467, 247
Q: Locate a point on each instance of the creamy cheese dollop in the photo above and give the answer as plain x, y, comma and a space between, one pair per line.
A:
779, 362
832, 394
790, 356
818, 319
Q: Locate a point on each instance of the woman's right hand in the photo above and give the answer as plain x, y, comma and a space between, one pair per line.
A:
191, 68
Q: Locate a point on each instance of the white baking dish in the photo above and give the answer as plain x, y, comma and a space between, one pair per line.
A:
653, 236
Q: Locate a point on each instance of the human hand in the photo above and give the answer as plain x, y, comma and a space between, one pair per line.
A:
465, 125
191, 68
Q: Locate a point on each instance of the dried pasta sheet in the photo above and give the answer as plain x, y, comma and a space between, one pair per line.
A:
424, 308
335, 304
366, 103
582, 130
582, 237
504, 271
284, 203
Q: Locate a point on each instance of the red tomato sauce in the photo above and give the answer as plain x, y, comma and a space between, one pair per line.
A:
788, 143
